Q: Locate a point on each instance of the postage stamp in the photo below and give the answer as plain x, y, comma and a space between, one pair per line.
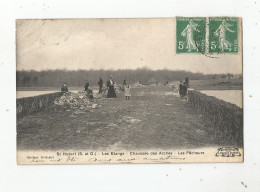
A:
223, 35
190, 34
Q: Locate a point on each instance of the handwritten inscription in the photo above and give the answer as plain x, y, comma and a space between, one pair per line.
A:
103, 157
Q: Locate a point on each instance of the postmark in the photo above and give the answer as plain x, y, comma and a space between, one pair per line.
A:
223, 35
190, 35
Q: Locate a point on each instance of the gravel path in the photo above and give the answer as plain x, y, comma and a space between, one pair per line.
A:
153, 118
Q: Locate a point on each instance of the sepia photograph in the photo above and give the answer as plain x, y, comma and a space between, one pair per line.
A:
139, 90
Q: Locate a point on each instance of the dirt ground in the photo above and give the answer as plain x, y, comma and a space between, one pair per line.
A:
153, 118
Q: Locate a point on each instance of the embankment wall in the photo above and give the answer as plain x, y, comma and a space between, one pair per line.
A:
227, 117
30, 105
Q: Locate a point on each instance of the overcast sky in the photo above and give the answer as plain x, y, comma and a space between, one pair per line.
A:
110, 44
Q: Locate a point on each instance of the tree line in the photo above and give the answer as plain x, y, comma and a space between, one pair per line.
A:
55, 78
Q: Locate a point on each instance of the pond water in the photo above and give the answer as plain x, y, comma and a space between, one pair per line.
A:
232, 96
22, 94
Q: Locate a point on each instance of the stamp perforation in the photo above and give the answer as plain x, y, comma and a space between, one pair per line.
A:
226, 43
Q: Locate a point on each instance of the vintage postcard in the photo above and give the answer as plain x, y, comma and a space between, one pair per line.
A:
159, 90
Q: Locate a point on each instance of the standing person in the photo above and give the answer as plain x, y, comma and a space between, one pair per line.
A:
187, 81
181, 89
110, 86
184, 89
105, 91
86, 85
100, 84
124, 84
64, 88
127, 92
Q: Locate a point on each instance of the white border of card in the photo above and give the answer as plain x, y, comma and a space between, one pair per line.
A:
199, 177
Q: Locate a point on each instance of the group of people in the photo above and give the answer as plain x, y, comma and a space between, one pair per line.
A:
183, 87
108, 90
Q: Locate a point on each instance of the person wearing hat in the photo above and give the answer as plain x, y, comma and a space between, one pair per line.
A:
187, 81
110, 87
64, 88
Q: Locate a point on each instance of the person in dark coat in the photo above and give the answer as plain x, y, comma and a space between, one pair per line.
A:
111, 90
86, 85
187, 81
184, 89
64, 88
100, 84
124, 82
181, 89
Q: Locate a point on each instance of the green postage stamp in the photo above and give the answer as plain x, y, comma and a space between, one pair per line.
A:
213, 35
223, 35
190, 34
